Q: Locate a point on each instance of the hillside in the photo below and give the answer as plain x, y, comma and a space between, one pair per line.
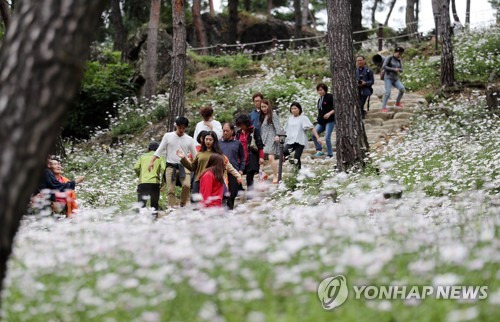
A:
423, 213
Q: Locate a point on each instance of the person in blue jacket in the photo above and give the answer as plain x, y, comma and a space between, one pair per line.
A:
364, 80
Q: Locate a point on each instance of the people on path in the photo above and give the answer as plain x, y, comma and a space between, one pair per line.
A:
170, 144
255, 114
209, 146
325, 120
253, 147
212, 181
208, 123
393, 67
233, 150
365, 80
296, 129
269, 127
149, 181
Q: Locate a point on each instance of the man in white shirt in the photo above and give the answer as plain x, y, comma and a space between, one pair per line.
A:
171, 142
208, 123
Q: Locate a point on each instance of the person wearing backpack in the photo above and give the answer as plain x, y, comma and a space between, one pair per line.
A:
392, 67
365, 80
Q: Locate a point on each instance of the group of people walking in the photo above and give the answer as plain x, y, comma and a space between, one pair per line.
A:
219, 155
212, 163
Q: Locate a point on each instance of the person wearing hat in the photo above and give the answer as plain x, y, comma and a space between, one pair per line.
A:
393, 67
149, 181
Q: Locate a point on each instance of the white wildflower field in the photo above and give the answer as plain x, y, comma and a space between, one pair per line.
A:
113, 262
424, 212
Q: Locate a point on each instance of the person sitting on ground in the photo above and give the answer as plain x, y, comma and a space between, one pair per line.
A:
269, 127
149, 181
296, 133
255, 113
365, 80
253, 147
393, 67
325, 119
212, 181
208, 123
53, 190
63, 200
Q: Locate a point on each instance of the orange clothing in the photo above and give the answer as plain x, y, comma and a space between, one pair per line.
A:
68, 197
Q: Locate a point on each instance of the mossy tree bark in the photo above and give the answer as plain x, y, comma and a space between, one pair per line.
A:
41, 58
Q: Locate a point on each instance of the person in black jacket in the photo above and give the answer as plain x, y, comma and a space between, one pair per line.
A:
365, 80
253, 148
233, 150
326, 119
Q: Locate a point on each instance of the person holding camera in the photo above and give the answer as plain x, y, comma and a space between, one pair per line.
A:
365, 80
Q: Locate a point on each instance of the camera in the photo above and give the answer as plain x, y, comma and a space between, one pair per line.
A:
360, 82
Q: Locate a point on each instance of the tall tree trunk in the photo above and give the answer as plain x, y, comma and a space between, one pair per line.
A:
269, 7
199, 27
176, 99
211, 7
467, 14
42, 65
298, 18
117, 21
356, 9
374, 10
393, 3
5, 13
447, 65
313, 19
247, 5
454, 10
305, 13
152, 45
351, 136
233, 21
417, 10
411, 21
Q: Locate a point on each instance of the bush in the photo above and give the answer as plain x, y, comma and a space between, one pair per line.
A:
239, 63
103, 85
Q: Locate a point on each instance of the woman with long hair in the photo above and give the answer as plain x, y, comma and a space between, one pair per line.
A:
253, 148
269, 127
210, 145
212, 181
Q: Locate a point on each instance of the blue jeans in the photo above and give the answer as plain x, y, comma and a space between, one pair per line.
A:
328, 127
388, 86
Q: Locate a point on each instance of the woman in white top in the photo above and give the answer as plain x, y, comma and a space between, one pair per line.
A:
208, 123
296, 133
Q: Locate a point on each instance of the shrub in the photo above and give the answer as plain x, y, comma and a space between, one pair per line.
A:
103, 85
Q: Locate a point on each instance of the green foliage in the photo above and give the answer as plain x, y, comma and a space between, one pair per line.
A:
103, 85
476, 55
239, 63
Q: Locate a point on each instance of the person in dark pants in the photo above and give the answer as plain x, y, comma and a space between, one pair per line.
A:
296, 129
365, 80
149, 181
325, 120
253, 148
233, 150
